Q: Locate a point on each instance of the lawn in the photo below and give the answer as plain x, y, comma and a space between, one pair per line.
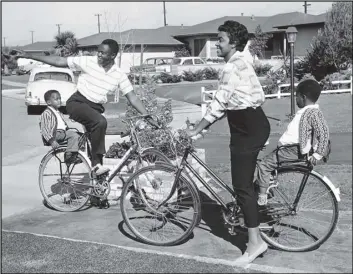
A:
337, 109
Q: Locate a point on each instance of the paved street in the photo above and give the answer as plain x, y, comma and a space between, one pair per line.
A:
97, 240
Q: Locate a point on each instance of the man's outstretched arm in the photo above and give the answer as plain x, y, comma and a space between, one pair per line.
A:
52, 60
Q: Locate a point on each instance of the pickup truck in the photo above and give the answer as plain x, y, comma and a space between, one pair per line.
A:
155, 64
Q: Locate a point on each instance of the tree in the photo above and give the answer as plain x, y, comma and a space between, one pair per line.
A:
183, 51
331, 49
66, 44
259, 42
124, 38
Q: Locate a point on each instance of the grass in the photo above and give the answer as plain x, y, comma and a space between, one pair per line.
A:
337, 109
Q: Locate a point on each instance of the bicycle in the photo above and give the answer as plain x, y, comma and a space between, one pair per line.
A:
179, 209
72, 189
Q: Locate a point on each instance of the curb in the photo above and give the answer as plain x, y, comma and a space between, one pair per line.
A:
11, 83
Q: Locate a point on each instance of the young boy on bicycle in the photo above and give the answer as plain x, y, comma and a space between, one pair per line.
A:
308, 130
54, 129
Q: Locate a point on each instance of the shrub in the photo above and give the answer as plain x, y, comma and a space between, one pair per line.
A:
168, 78
210, 73
326, 83
192, 76
262, 69
183, 51
149, 137
332, 47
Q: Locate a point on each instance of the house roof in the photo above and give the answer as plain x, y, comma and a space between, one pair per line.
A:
303, 19
267, 23
160, 36
39, 46
210, 27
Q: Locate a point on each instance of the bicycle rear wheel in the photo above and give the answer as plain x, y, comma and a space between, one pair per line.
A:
307, 226
169, 224
65, 188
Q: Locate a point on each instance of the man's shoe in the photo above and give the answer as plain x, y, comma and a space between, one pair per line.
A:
99, 169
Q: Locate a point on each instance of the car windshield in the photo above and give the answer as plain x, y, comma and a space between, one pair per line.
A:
60, 76
176, 61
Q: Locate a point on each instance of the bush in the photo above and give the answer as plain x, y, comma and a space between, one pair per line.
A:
149, 137
192, 76
210, 73
332, 47
168, 78
326, 83
262, 69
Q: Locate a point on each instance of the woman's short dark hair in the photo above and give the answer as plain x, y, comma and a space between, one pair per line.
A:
113, 45
310, 88
237, 33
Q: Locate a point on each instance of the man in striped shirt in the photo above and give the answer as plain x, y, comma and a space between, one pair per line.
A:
99, 76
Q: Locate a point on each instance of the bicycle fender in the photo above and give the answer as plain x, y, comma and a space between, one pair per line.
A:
335, 190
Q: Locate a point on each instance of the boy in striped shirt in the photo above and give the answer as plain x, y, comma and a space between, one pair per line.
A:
54, 129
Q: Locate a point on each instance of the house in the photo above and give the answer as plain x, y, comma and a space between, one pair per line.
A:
202, 37
156, 42
39, 48
307, 27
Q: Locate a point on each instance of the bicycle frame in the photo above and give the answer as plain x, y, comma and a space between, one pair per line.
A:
184, 163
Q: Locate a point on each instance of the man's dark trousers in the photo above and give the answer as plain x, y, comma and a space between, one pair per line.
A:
89, 114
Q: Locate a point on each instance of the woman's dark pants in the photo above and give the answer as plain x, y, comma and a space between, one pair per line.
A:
249, 129
89, 114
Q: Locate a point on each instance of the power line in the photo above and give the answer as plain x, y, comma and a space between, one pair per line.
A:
99, 24
32, 35
58, 25
306, 7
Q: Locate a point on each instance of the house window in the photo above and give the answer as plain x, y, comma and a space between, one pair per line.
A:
198, 46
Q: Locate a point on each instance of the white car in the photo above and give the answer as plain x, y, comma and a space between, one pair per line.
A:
43, 79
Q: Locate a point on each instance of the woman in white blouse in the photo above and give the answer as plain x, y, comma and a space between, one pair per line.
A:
240, 96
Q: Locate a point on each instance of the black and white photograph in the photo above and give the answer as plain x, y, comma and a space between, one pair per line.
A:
176, 137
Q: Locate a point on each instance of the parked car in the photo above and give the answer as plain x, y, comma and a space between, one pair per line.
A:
191, 63
41, 80
155, 64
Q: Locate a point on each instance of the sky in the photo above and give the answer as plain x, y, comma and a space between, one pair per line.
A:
20, 18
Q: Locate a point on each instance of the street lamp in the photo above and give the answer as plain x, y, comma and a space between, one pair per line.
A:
291, 36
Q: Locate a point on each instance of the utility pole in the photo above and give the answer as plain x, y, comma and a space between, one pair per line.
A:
164, 12
4, 41
59, 28
32, 35
99, 24
306, 5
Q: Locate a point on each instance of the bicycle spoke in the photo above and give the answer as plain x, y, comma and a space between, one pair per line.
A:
310, 223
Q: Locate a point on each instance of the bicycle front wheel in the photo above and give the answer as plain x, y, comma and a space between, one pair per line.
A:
65, 188
151, 223
309, 224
